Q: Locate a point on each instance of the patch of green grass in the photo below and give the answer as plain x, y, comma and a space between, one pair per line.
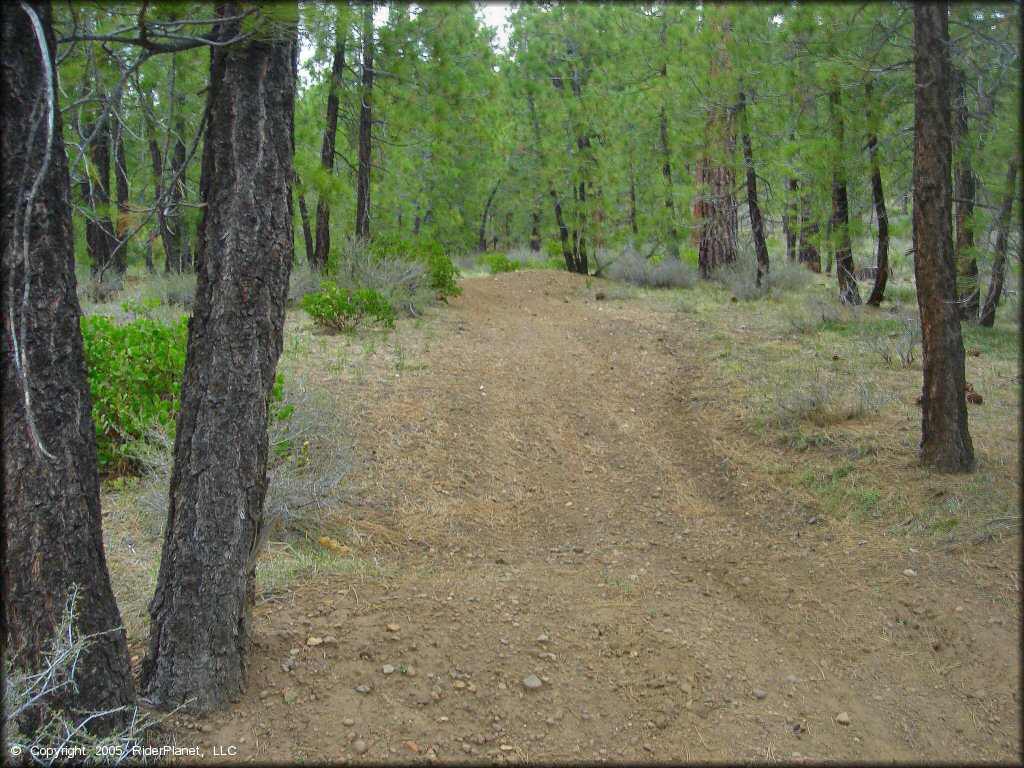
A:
1002, 342
288, 563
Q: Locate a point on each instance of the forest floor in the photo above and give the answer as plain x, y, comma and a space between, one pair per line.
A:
578, 547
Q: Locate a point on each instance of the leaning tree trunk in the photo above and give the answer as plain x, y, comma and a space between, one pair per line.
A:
51, 495
840, 223
307, 232
995, 286
201, 612
756, 222
881, 214
365, 126
563, 232
964, 188
323, 206
945, 441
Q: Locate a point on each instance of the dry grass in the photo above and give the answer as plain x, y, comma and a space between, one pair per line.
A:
825, 395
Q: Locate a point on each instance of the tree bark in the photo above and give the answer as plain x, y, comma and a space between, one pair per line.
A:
201, 612
808, 225
719, 223
51, 500
563, 232
789, 218
481, 241
323, 206
365, 126
965, 185
307, 232
632, 202
882, 218
535, 232
99, 231
945, 440
995, 286
121, 189
840, 235
756, 222
666, 154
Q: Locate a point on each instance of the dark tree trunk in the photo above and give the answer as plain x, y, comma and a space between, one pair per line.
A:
535, 232
201, 612
121, 190
100, 239
808, 251
789, 218
365, 126
307, 232
51, 494
882, 217
964, 188
840, 234
323, 206
945, 440
481, 241
178, 255
756, 222
995, 286
563, 233
666, 155
632, 202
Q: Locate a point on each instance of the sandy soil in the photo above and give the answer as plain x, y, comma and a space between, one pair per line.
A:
554, 498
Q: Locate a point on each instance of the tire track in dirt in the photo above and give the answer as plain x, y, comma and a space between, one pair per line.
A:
572, 487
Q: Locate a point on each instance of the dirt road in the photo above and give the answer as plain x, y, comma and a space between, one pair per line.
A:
554, 503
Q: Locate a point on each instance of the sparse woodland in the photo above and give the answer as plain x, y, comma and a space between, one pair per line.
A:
536, 347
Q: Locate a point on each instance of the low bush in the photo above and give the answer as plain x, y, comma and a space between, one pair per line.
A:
441, 272
344, 310
788, 275
740, 279
631, 267
499, 263
134, 371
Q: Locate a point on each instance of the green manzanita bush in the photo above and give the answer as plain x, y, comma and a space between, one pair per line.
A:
343, 310
499, 262
134, 371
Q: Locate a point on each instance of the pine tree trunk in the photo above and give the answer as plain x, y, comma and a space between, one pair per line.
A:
809, 254
632, 202
719, 223
51, 500
964, 188
121, 189
995, 286
882, 217
756, 222
563, 233
176, 247
666, 154
840, 234
323, 206
307, 232
535, 232
201, 612
945, 441
99, 231
365, 126
789, 218
481, 241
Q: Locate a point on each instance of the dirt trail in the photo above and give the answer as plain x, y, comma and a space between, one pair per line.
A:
562, 505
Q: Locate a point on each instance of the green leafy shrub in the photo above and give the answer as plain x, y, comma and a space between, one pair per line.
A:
134, 372
499, 262
343, 310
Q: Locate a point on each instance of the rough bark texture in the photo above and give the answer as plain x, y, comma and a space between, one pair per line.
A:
964, 188
307, 232
323, 206
789, 218
51, 501
945, 441
201, 612
808, 251
995, 285
717, 214
840, 234
756, 222
365, 126
882, 217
